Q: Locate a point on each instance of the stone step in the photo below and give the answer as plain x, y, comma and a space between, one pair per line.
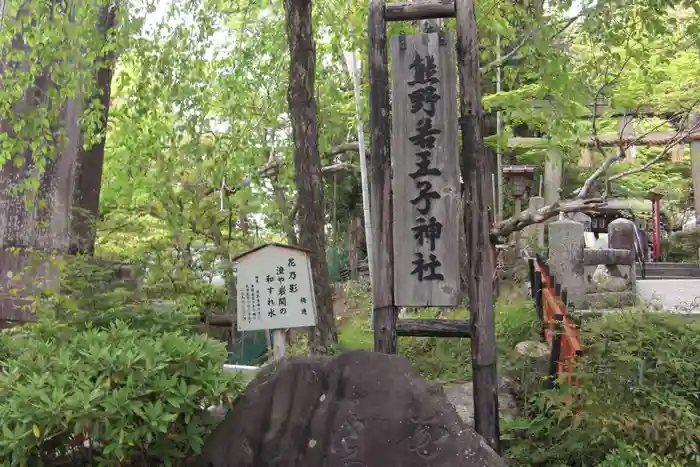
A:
672, 265
610, 300
669, 270
656, 277
687, 269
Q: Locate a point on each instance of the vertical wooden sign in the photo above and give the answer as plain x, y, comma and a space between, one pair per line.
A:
425, 170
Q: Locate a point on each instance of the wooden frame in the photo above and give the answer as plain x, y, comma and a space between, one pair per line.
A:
476, 174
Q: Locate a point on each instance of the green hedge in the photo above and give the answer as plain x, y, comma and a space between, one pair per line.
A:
637, 401
682, 247
105, 379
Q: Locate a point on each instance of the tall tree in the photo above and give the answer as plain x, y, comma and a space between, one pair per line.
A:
88, 173
50, 60
307, 165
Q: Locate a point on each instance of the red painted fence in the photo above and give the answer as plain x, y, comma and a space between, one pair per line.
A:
558, 331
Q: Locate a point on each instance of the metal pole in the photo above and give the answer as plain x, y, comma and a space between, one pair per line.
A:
499, 133
354, 66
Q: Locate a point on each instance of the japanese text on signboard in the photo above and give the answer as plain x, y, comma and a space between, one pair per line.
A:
427, 229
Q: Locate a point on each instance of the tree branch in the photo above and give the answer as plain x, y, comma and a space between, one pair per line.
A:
566, 25
293, 213
342, 148
610, 160
509, 56
528, 217
680, 135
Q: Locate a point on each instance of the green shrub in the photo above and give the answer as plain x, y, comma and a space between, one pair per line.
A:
516, 321
105, 378
133, 393
681, 247
447, 360
638, 384
636, 456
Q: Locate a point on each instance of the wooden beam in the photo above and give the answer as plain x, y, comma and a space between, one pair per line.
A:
385, 312
479, 264
661, 138
609, 256
433, 327
218, 321
419, 10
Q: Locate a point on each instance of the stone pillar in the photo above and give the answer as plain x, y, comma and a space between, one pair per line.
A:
695, 163
625, 126
566, 258
621, 236
552, 175
534, 234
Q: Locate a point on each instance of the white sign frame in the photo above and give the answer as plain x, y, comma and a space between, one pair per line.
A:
275, 288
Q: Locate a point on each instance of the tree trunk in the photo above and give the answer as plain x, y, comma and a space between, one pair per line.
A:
32, 233
307, 165
88, 176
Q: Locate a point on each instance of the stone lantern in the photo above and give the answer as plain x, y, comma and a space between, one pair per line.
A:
521, 178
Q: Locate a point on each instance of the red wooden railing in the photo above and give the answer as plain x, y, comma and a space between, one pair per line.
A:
559, 332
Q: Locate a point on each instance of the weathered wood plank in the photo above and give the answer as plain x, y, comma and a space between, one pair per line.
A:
385, 312
426, 171
609, 256
420, 10
433, 327
478, 203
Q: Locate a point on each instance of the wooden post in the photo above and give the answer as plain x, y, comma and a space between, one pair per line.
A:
531, 275
385, 313
555, 354
538, 295
478, 203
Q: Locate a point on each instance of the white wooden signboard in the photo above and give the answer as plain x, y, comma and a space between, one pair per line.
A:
274, 288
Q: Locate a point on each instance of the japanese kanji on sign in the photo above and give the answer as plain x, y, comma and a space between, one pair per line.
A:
425, 170
274, 288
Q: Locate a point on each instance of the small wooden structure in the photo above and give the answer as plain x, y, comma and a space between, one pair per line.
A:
521, 177
476, 200
274, 291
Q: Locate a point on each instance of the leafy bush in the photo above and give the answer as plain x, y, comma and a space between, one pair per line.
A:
681, 247
638, 384
104, 378
516, 321
133, 393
